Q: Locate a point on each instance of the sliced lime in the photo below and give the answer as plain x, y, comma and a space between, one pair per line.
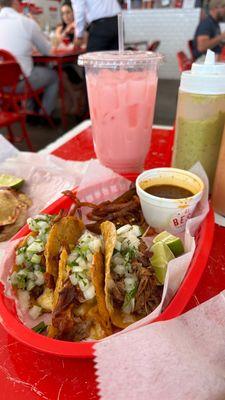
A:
161, 237
173, 242
11, 181
161, 256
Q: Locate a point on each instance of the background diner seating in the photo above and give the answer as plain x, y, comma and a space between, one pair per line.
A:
191, 49
9, 110
184, 63
154, 45
29, 93
151, 46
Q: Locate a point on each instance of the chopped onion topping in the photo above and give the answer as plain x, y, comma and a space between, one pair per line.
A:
35, 312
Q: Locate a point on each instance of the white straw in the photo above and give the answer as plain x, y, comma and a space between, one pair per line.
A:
129, 4
120, 32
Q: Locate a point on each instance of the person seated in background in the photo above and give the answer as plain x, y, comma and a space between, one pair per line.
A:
19, 35
65, 31
73, 75
208, 34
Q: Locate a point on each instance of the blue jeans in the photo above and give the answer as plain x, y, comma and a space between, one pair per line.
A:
47, 78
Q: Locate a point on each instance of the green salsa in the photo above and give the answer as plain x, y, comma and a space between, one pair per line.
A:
199, 140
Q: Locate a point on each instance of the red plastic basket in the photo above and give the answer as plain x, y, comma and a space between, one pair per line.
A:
14, 326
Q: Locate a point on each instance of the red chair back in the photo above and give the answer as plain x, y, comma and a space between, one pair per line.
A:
191, 48
154, 45
28, 93
9, 75
9, 78
184, 63
6, 56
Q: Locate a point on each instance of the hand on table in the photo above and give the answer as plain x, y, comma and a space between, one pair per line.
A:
69, 29
79, 42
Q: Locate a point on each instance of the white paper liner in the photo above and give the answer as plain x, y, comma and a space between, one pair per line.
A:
179, 359
46, 176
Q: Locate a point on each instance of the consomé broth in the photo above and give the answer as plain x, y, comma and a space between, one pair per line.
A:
168, 191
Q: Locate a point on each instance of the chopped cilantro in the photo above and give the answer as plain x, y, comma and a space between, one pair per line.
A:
20, 281
129, 296
40, 327
84, 280
72, 263
129, 254
21, 250
81, 252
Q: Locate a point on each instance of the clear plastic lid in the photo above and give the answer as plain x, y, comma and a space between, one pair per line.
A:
113, 59
205, 78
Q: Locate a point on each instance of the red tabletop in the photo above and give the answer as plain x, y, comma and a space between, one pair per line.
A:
58, 56
26, 374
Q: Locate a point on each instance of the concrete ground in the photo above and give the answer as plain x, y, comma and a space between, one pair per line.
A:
164, 115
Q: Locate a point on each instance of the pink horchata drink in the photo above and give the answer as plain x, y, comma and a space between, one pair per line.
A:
121, 92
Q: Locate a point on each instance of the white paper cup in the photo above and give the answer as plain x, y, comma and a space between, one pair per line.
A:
168, 214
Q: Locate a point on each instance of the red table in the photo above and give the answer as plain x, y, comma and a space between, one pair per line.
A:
60, 57
28, 375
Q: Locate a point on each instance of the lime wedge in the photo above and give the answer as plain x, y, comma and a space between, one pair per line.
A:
173, 242
11, 181
161, 256
161, 270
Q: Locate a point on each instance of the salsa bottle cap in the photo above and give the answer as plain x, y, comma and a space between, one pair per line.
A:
205, 78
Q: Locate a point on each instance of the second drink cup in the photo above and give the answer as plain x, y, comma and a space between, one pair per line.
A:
121, 92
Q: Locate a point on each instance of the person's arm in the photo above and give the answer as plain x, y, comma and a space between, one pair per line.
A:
39, 40
70, 28
58, 33
79, 7
204, 42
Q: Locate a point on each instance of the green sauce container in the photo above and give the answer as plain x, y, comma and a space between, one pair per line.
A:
200, 116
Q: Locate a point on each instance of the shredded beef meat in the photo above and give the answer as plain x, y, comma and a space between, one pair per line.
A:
70, 327
148, 294
37, 291
142, 246
70, 294
118, 293
81, 330
145, 254
49, 281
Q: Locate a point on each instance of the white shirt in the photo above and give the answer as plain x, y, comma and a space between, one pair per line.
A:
90, 10
18, 35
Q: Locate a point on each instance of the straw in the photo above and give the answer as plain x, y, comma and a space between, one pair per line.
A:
129, 4
120, 32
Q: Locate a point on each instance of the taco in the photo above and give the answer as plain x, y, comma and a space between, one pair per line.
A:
79, 309
131, 287
34, 274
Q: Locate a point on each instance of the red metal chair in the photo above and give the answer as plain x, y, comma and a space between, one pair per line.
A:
191, 49
28, 93
184, 63
154, 45
9, 112
222, 55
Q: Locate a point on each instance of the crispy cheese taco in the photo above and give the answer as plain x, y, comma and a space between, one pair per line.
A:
79, 309
131, 288
35, 271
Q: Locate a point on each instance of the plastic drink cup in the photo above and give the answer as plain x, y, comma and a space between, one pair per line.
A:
166, 213
121, 92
